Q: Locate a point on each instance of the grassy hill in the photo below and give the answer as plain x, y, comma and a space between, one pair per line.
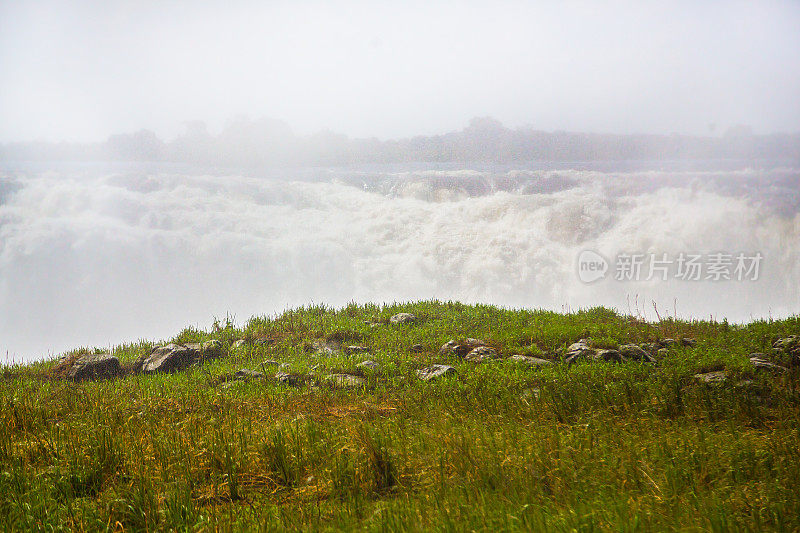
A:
496, 445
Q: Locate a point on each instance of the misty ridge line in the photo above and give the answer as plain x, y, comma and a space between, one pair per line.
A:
271, 142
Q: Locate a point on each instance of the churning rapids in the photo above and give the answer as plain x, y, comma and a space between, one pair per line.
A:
96, 255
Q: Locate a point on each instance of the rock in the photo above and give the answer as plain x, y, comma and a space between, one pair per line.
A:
245, 374
609, 356
662, 353
94, 366
169, 358
761, 363
372, 365
712, 378
403, 318
290, 380
417, 348
345, 381
651, 347
787, 343
208, 350
238, 344
578, 350
666, 343
789, 349
435, 371
481, 354
634, 353
350, 350
688, 342
448, 348
533, 361
452, 348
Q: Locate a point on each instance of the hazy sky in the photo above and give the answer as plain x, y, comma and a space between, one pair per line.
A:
83, 70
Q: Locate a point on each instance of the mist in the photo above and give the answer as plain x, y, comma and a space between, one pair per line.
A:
163, 165
82, 71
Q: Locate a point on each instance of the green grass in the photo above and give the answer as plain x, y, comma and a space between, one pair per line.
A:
499, 446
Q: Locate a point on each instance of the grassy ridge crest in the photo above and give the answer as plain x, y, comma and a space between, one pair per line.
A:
498, 445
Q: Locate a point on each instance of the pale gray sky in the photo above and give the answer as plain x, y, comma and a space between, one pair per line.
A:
83, 70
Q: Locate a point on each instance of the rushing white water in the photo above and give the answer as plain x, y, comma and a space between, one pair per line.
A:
99, 256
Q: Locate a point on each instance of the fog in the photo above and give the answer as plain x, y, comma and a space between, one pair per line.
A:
81, 71
242, 158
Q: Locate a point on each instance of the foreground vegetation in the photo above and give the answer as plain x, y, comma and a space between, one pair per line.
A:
499, 445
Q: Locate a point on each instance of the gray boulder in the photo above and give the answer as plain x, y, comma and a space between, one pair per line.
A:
787, 343
651, 347
169, 358
350, 350
634, 353
208, 350
788, 350
94, 366
528, 360
403, 318
609, 356
371, 365
454, 349
435, 371
578, 350
481, 354
245, 374
760, 362
712, 378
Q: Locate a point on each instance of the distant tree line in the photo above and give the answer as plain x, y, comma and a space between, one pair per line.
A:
268, 142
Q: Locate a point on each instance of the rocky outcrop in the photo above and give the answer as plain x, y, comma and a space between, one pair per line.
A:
435, 372
760, 362
403, 318
528, 360
291, 380
712, 378
173, 357
245, 374
481, 354
577, 351
208, 350
631, 352
581, 350
609, 356
787, 350
94, 366
350, 350
167, 358
460, 349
